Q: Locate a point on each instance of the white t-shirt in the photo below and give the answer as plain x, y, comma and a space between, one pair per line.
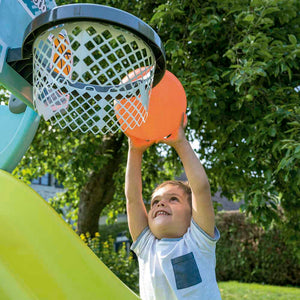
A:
182, 268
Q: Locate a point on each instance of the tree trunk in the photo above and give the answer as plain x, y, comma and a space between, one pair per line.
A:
100, 189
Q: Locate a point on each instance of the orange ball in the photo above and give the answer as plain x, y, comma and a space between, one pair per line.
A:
62, 56
130, 111
166, 106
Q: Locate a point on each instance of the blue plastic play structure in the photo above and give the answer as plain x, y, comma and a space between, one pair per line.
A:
16, 134
17, 129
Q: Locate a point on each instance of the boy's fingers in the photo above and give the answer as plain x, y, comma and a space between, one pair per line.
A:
183, 122
174, 135
139, 142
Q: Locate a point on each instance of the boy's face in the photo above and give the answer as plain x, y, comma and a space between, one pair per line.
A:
170, 213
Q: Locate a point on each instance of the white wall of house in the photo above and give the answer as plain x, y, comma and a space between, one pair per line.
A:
46, 192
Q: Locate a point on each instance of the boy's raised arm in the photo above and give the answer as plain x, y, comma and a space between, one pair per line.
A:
136, 211
202, 207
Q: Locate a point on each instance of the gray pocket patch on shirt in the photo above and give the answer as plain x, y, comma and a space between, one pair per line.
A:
186, 271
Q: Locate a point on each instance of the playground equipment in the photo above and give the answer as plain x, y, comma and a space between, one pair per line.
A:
16, 133
42, 258
76, 65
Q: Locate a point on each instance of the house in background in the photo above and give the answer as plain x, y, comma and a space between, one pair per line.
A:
46, 186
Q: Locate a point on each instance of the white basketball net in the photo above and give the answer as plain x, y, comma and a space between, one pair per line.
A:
93, 77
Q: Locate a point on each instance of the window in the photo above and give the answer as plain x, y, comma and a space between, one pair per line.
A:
44, 180
47, 180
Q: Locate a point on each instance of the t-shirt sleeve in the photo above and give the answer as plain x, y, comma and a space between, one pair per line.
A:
204, 240
143, 242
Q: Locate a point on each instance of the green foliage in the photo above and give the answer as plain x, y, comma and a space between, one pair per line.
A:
112, 230
66, 205
239, 63
3, 95
120, 263
247, 253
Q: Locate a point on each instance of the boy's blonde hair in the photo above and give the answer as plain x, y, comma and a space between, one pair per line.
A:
184, 185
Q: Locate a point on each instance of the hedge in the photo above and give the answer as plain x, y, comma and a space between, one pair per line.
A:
247, 253
120, 263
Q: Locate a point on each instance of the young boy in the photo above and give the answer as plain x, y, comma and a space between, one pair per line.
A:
175, 241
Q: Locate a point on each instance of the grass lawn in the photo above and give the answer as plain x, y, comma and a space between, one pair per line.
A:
232, 290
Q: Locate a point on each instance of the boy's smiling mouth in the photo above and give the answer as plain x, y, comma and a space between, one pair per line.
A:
161, 213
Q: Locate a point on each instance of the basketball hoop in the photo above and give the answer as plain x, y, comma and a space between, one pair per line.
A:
87, 66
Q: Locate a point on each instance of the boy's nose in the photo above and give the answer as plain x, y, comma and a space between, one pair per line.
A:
161, 203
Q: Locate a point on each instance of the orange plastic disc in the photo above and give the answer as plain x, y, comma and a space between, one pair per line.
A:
166, 106
130, 111
63, 63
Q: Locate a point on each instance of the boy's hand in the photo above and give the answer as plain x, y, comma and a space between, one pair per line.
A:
178, 136
174, 140
139, 144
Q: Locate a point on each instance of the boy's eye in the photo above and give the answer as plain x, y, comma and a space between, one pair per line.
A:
154, 202
174, 199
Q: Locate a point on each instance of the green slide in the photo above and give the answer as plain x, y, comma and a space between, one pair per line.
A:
42, 258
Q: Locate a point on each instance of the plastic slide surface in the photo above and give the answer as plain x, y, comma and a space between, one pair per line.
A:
41, 257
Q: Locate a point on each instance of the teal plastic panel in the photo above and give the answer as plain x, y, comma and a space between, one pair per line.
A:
16, 134
15, 15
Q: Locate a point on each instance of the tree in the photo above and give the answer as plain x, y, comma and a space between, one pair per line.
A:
239, 63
